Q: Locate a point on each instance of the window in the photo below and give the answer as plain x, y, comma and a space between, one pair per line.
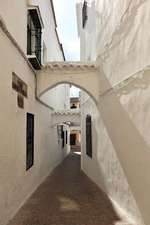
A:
89, 136
62, 136
66, 137
59, 133
30, 141
84, 14
34, 36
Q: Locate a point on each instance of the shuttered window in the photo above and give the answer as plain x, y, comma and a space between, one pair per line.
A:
89, 136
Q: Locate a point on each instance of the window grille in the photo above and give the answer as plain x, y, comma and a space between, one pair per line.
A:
30, 141
62, 136
66, 137
34, 34
89, 136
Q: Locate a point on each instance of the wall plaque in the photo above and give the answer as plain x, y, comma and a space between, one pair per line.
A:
19, 85
20, 101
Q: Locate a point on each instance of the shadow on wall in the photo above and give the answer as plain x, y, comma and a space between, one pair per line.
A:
67, 197
131, 150
112, 178
122, 28
139, 81
96, 17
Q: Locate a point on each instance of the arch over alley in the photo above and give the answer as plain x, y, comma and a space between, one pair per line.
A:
93, 80
82, 75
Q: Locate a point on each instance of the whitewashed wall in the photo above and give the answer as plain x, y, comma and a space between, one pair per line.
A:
117, 35
17, 184
58, 97
104, 168
114, 35
14, 14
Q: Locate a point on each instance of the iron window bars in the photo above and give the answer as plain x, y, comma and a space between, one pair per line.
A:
34, 35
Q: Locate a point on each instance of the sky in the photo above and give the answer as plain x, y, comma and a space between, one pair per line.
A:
67, 29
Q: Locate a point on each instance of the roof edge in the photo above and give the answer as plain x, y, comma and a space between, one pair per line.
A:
53, 10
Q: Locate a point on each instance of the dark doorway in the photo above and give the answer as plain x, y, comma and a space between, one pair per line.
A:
72, 139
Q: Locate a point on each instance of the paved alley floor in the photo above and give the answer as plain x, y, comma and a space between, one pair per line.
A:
67, 197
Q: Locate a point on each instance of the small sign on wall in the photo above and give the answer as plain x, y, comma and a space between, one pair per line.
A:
20, 101
21, 88
19, 85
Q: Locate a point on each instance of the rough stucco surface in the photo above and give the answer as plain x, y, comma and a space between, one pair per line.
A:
134, 98
117, 28
104, 168
117, 36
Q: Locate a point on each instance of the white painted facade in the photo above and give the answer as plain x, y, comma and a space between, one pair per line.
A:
57, 97
116, 35
17, 184
119, 85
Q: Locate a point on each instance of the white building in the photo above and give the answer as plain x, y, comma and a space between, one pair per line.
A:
31, 145
116, 35
115, 112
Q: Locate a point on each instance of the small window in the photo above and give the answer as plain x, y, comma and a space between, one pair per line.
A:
84, 14
59, 133
62, 136
30, 141
66, 137
89, 136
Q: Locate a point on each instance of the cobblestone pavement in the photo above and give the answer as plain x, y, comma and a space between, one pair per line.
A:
67, 197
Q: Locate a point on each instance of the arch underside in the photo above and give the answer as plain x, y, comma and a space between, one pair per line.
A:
82, 76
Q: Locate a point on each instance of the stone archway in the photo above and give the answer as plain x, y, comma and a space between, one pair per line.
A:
82, 75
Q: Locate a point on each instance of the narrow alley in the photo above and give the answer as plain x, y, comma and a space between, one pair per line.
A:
75, 112
67, 197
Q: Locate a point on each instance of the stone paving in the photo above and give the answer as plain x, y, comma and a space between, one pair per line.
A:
67, 197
